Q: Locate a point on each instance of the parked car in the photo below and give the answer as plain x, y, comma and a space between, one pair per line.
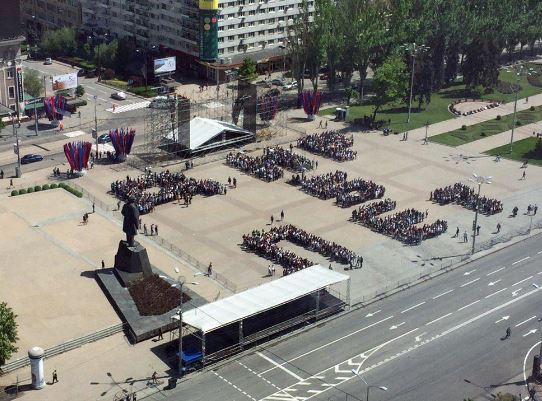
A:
31, 158
118, 95
104, 138
48, 61
278, 82
263, 83
82, 72
290, 85
273, 92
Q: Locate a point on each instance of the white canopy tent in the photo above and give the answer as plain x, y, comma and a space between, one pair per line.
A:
259, 299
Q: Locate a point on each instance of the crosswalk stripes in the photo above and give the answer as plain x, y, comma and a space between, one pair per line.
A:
129, 107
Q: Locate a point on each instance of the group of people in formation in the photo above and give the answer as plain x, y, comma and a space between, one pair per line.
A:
329, 144
465, 196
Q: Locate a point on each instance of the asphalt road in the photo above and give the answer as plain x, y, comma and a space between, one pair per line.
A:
420, 344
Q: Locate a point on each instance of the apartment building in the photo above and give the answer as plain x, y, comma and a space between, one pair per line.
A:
39, 16
246, 28
11, 73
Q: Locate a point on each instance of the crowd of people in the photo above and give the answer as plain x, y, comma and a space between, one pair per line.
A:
465, 196
268, 166
363, 213
401, 225
359, 191
172, 186
329, 144
265, 244
324, 186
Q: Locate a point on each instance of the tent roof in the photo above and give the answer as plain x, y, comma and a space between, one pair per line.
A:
237, 307
205, 129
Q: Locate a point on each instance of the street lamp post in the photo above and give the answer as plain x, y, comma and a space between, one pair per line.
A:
96, 124
426, 129
479, 180
414, 49
519, 70
283, 47
18, 173
383, 388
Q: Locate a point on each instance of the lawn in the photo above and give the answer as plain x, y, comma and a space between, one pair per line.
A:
437, 110
487, 128
522, 150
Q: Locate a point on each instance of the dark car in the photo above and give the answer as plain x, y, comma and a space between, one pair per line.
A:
273, 92
31, 158
82, 72
104, 138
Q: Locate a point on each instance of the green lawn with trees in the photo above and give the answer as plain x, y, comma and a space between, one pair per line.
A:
8, 332
526, 149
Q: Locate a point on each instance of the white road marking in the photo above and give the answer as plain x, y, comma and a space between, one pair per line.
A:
514, 293
525, 364
539, 252
396, 326
419, 336
466, 306
495, 271
259, 375
469, 282
280, 366
330, 343
412, 307
468, 273
503, 319
525, 321
525, 279
532, 331
129, 107
373, 313
438, 318
234, 386
444, 293
495, 293
521, 260
492, 283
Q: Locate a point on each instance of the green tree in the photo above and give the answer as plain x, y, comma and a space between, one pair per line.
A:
105, 54
125, 53
33, 84
60, 42
248, 69
390, 83
8, 332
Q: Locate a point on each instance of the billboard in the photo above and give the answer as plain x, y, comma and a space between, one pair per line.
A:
208, 4
208, 27
165, 65
65, 81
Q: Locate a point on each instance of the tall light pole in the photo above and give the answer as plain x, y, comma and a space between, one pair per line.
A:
414, 49
96, 124
478, 179
181, 281
283, 48
518, 71
18, 173
383, 388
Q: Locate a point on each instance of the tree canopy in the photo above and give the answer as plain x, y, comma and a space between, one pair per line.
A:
248, 69
8, 332
60, 42
33, 84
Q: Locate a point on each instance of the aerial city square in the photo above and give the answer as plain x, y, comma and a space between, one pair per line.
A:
270, 200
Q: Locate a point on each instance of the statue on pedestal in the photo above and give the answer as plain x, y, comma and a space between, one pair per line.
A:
130, 224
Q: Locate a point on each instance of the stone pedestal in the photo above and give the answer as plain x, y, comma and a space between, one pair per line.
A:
131, 262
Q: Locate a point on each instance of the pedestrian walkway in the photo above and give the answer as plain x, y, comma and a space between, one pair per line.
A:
129, 107
73, 134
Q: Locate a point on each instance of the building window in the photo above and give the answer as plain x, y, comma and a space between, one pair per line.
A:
231, 49
231, 38
10, 72
11, 92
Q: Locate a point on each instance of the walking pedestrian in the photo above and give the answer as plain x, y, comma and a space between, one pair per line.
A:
535, 208
55, 377
156, 229
210, 269
93, 208
320, 125
145, 229
234, 182
326, 124
160, 334
118, 205
272, 219
465, 237
1, 174
281, 215
11, 182
523, 176
269, 271
478, 230
154, 378
152, 229
498, 228
456, 233
103, 264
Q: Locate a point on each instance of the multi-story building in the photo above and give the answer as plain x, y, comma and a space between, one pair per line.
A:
11, 73
246, 28
41, 15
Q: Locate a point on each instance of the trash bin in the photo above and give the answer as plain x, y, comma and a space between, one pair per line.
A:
172, 383
338, 113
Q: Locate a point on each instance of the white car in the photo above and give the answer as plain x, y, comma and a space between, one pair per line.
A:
290, 85
119, 95
48, 61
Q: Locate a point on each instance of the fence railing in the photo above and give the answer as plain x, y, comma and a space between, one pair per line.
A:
65, 347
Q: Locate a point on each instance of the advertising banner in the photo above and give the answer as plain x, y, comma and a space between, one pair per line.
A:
208, 4
208, 47
165, 65
65, 81
20, 86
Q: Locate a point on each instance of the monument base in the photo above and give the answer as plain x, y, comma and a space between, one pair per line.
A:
131, 262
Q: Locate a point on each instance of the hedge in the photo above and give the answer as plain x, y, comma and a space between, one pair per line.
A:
30, 190
53, 186
14, 192
45, 187
22, 191
37, 188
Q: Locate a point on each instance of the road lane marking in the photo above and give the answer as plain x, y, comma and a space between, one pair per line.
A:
492, 283
532, 331
396, 326
514, 293
466, 306
330, 343
419, 336
521, 260
444, 293
371, 314
259, 375
438, 318
234, 386
469, 282
502, 319
280, 366
412, 307
525, 279
525, 321
495, 293
539, 252
495, 271
468, 273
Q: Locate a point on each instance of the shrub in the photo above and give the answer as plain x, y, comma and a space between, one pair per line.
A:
37, 188
45, 187
507, 87
499, 117
518, 123
463, 127
62, 185
478, 91
534, 80
80, 90
22, 191
53, 186
531, 108
483, 133
30, 190
14, 192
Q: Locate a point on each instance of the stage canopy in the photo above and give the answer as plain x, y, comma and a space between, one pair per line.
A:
256, 300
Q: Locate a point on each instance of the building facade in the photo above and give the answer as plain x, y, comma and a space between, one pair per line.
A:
11, 73
246, 28
39, 16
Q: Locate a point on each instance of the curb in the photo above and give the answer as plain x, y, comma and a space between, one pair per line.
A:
119, 89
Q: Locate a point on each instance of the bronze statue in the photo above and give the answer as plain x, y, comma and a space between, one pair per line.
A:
130, 224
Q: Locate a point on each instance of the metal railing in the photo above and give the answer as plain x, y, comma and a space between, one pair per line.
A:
65, 347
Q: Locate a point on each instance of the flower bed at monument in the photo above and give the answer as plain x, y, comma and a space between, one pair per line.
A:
155, 296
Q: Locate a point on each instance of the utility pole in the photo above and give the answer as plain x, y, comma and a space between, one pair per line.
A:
181, 329
518, 75
18, 172
35, 117
413, 49
96, 124
478, 180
